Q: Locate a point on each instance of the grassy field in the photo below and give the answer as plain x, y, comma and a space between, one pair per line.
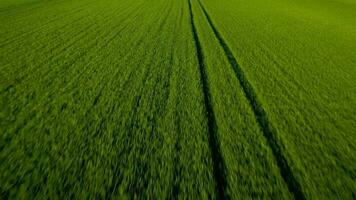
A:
177, 99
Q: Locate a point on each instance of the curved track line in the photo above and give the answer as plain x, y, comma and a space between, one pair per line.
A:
218, 161
260, 114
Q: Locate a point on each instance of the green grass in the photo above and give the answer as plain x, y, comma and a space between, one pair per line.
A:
299, 58
177, 99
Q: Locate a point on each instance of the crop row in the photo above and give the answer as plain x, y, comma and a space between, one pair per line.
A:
176, 99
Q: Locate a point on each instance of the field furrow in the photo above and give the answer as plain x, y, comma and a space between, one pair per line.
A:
260, 114
237, 123
218, 162
287, 52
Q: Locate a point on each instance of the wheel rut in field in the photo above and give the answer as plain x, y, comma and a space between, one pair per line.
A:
218, 162
261, 116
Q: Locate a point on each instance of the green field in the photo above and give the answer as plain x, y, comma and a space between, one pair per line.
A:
178, 99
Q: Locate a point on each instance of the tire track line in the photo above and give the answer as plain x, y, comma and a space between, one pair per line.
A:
218, 162
260, 114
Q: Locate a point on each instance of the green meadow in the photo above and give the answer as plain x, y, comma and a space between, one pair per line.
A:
178, 99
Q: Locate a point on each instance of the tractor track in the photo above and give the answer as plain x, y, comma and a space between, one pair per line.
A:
260, 114
219, 168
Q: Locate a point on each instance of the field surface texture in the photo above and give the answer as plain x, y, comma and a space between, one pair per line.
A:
178, 99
